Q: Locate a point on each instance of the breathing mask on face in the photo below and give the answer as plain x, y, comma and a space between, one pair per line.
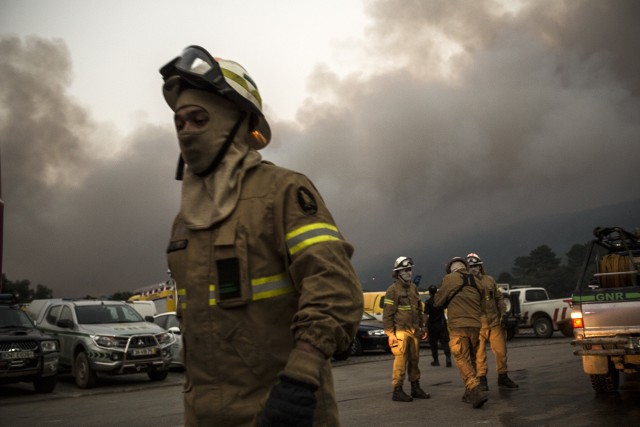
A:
405, 275
203, 147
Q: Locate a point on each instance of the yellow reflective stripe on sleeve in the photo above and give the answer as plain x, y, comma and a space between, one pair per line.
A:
311, 234
404, 307
212, 294
271, 286
388, 302
182, 298
263, 287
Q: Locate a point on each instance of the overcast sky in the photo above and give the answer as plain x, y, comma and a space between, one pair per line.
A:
418, 121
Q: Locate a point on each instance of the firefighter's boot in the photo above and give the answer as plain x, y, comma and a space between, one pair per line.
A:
484, 386
477, 397
400, 396
417, 392
435, 362
505, 382
466, 397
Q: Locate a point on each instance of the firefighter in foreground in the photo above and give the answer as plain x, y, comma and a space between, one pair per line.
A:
461, 296
267, 289
402, 320
493, 309
437, 328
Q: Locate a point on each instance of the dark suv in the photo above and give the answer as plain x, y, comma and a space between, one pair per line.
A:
26, 354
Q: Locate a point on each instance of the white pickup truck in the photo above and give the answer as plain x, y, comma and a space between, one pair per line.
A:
539, 312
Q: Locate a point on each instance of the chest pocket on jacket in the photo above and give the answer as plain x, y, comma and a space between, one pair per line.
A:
231, 286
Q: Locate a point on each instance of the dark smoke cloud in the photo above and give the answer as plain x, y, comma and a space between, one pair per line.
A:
539, 116
534, 113
78, 221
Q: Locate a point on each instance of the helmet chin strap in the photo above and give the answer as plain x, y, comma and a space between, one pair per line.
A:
223, 150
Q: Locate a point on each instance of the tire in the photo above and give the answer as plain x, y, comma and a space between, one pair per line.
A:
45, 384
567, 329
607, 383
356, 347
543, 327
84, 376
344, 355
158, 375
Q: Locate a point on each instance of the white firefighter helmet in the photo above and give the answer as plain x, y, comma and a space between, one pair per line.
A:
402, 263
473, 259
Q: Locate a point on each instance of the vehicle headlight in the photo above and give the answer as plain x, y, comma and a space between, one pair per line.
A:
165, 338
48, 346
376, 332
105, 340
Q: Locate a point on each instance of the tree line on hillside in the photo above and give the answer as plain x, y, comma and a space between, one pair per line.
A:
22, 289
542, 267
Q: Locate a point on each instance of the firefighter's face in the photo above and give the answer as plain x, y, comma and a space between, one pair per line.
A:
405, 275
202, 121
191, 118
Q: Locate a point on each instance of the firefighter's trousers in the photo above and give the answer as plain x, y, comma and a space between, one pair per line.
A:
495, 335
406, 358
463, 342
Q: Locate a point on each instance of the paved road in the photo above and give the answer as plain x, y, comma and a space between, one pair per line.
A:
553, 392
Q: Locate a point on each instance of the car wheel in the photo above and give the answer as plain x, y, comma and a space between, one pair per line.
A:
45, 384
343, 355
84, 376
566, 328
543, 327
607, 383
356, 347
157, 375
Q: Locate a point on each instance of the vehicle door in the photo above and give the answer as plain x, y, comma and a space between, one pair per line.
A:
50, 324
67, 340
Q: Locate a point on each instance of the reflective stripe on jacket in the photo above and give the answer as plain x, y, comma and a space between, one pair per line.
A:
402, 309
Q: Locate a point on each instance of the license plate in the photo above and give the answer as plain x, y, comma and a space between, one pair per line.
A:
144, 351
17, 355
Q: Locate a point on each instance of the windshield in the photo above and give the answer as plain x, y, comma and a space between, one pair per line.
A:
98, 314
14, 318
367, 316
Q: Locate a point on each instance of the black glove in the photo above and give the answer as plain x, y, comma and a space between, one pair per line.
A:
291, 403
504, 321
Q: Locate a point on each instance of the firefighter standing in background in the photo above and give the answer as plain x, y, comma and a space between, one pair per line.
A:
461, 297
267, 289
437, 328
402, 320
493, 309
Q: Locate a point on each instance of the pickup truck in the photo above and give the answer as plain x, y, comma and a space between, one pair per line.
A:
537, 311
606, 308
106, 337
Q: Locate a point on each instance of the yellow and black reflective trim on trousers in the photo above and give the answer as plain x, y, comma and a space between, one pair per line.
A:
311, 234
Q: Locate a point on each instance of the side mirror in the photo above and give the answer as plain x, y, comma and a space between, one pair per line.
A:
148, 319
65, 323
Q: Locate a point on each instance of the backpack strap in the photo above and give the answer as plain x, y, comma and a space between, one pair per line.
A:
467, 280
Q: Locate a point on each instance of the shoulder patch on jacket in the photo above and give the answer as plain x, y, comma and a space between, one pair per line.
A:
307, 201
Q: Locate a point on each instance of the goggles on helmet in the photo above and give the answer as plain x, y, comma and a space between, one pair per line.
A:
227, 78
405, 263
473, 259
